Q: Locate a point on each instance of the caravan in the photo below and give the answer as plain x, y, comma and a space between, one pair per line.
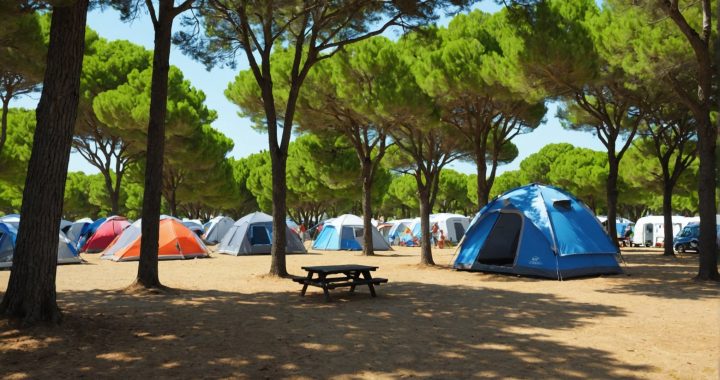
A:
650, 230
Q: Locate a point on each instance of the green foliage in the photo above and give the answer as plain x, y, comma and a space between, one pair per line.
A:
452, 192
643, 184
194, 151
22, 45
535, 167
14, 158
402, 192
583, 172
322, 177
507, 181
16, 154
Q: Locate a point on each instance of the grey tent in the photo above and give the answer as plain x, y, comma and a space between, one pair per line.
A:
77, 228
252, 234
217, 228
67, 254
65, 225
194, 226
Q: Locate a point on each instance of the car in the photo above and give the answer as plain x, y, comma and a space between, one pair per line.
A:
687, 239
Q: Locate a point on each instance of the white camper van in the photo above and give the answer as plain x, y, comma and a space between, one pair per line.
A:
650, 230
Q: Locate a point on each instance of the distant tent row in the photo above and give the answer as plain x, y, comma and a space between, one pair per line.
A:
176, 241
540, 231
67, 254
408, 231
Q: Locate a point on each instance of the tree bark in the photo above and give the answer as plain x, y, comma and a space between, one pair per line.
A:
31, 294
707, 135
147, 276
367, 207
667, 215
612, 195
3, 127
483, 191
425, 246
707, 245
113, 193
278, 159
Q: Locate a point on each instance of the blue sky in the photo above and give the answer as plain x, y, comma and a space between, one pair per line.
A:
108, 25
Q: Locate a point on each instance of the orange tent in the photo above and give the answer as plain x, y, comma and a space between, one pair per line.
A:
176, 242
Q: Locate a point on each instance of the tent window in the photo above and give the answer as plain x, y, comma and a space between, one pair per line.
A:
358, 232
500, 247
259, 235
563, 205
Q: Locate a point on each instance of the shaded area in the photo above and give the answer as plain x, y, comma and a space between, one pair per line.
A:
411, 329
650, 273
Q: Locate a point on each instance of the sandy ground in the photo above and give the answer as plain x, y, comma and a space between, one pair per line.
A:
228, 320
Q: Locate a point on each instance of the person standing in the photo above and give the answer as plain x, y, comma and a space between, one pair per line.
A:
435, 230
302, 231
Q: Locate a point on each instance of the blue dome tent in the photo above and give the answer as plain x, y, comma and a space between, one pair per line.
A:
345, 233
7, 245
537, 230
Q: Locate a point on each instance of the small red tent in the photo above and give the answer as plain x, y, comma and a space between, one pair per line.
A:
105, 234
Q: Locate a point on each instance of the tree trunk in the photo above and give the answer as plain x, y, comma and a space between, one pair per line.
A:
147, 276
31, 294
426, 257
707, 245
3, 128
115, 195
112, 193
367, 207
667, 215
483, 192
612, 196
172, 202
278, 160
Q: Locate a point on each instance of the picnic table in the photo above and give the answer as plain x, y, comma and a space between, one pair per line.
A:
336, 276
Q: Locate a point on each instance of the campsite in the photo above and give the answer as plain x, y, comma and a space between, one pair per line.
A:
356, 189
228, 319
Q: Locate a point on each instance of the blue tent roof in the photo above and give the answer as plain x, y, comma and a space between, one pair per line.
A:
537, 230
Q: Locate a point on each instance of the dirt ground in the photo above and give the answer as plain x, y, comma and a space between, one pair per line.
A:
226, 319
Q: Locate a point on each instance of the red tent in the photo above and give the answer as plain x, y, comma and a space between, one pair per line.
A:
105, 234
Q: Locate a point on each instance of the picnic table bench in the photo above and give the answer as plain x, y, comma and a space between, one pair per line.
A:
336, 276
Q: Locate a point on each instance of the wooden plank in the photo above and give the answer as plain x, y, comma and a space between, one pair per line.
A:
332, 269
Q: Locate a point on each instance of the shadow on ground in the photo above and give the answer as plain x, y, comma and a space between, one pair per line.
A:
650, 273
410, 330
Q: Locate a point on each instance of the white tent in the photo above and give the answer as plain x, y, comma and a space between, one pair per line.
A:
452, 225
346, 233
398, 226
252, 234
217, 228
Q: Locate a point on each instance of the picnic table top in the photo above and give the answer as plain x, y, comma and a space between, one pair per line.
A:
339, 268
